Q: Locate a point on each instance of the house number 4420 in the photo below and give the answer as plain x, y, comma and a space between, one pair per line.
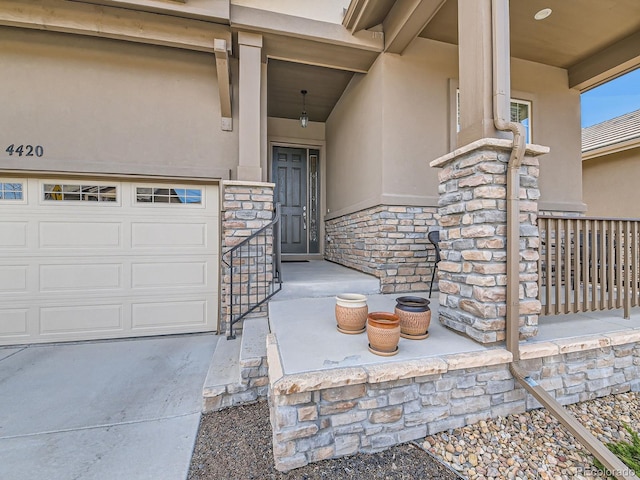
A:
25, 150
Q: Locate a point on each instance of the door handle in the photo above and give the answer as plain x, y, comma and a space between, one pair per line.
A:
304, 218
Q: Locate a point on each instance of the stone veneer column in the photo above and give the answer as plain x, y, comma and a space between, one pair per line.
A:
472, 210
247, 207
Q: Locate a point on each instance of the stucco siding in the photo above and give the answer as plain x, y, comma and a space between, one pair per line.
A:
106, 106
288, 130
355, 136
415, 120
556, 124
610, 185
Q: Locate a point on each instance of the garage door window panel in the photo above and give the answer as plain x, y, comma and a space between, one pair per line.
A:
12, 191
169, 194
56, 192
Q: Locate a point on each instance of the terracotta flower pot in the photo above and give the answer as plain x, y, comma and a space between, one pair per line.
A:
351, 312
383, 332
415, 316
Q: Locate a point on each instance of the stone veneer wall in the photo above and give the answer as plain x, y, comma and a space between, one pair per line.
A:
473, 270
247, 207
370, 408
389, 242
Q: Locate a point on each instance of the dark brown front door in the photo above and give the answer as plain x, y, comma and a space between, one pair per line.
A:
289, 173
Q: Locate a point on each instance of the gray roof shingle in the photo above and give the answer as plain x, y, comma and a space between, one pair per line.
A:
617, 130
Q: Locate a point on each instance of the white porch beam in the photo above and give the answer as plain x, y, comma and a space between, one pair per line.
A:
611, 62
112, 22
406, 20
224, 82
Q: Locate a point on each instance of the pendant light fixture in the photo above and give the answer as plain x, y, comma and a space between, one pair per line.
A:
304, 118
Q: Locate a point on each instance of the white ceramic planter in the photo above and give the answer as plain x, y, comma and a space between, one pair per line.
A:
351, 300
351, 312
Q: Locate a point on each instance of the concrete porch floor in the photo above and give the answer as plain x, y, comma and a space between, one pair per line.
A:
319, 278
308, 340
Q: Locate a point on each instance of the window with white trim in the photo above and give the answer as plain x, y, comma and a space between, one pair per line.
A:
169, 194
79, 193
520, 113
11, 190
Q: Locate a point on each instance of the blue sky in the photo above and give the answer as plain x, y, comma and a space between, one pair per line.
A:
612, 99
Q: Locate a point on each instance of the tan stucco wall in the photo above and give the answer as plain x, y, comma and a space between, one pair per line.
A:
355, 145
556, 124
286, 129
610, 185
416, 120
107, 106
412, 121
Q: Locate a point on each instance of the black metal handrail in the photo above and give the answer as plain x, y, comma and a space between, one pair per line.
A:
254, 271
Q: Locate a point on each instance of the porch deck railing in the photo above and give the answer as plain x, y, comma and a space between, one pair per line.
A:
254, 271
588, 264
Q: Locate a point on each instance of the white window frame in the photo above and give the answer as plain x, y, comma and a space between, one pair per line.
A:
15, 201
82, 183
175, 186
529, 104
454, 125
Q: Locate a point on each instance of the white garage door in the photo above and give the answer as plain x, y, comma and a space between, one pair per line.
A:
85, 259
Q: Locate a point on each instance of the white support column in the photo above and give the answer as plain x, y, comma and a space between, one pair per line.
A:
475, 60
249, 107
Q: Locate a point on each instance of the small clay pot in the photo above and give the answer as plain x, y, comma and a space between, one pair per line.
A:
383, 331
351, 312
414, 314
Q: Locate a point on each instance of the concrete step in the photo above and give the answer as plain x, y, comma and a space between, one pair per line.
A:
238, 372
254, 341
224, 370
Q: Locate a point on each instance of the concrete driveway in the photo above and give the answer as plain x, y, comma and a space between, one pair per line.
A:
122, 409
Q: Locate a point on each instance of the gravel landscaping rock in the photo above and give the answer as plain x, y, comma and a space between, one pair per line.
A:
534, 445
236, 443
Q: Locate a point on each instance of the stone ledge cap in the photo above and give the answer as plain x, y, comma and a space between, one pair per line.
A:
533, 350
478, 359
311, 381
624, 337
243, 183
537, 350
387, 372
579, 344
494, 143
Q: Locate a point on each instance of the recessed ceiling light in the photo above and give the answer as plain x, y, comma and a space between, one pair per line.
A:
542, 14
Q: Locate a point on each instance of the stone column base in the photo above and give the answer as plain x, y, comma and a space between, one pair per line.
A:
247, 207
473, 240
